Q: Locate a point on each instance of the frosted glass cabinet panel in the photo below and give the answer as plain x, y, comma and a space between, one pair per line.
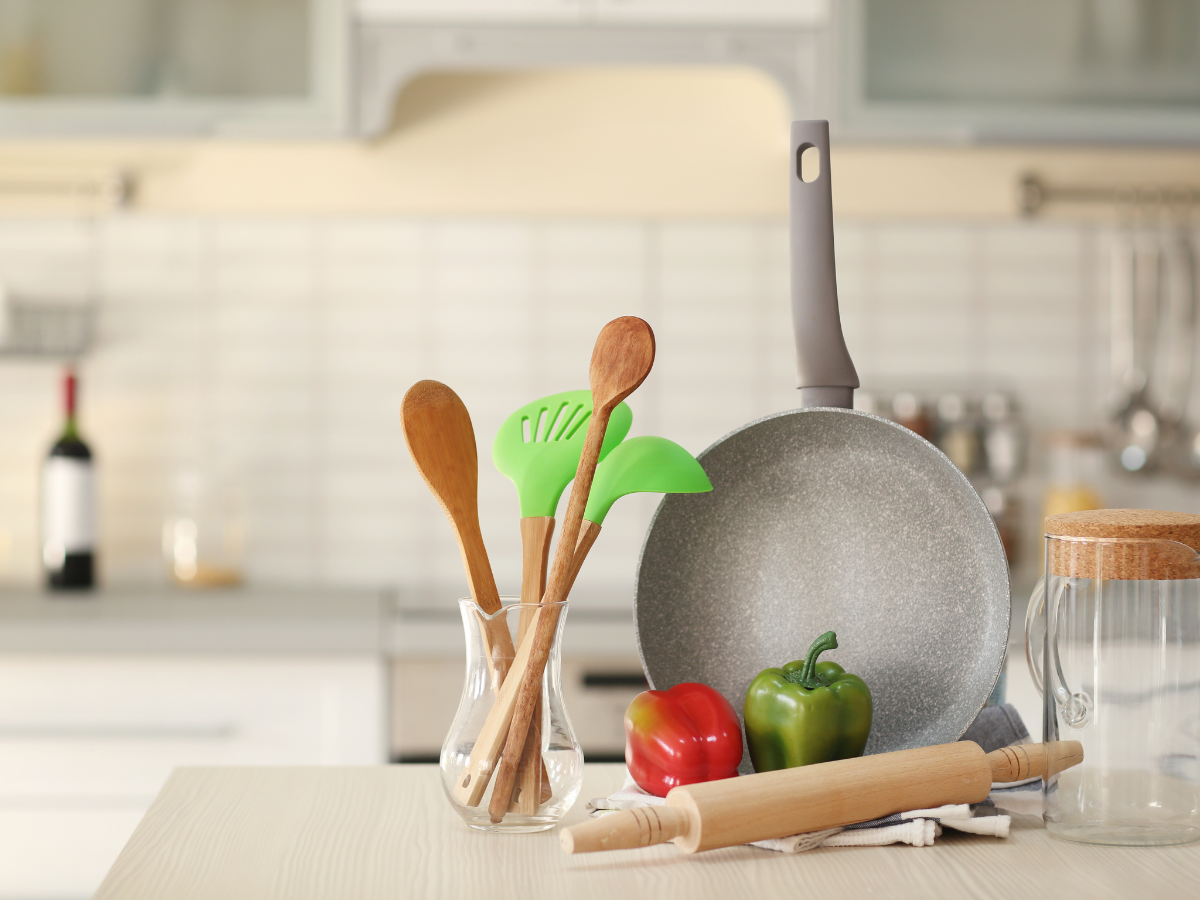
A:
1024, 69
169, 65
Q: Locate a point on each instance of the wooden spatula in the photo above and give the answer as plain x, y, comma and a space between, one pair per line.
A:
441, 441
621, 360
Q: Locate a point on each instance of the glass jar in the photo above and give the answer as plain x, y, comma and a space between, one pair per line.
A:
1113, 642
203, 537
550, 774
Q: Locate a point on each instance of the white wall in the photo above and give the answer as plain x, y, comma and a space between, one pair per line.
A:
282, 348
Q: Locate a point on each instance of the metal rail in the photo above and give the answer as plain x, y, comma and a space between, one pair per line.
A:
1034, 194
113, 190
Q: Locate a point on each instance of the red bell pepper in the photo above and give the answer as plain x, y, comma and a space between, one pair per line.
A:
687, 734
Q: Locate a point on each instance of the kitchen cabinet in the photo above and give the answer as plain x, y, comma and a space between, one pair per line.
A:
268, 67
1105, 70
87, 741
102, 697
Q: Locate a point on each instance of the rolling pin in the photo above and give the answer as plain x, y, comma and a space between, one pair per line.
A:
777, 804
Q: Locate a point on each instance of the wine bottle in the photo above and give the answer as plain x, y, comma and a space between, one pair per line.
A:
69, 506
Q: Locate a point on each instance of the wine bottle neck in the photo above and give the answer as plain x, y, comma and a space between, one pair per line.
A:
70, 428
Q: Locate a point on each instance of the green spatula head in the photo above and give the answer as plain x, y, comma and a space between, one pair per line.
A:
644, 465
538, 446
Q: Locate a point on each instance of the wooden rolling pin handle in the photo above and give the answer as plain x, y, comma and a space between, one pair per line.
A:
1034, 760
627, 830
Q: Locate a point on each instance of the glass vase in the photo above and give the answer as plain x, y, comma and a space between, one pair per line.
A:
550, 773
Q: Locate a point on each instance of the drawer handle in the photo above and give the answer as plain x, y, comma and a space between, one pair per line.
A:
216, 732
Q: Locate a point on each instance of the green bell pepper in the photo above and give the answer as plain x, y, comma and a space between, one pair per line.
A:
807, 712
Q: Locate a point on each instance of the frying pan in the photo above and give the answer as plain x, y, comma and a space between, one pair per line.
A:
826, 518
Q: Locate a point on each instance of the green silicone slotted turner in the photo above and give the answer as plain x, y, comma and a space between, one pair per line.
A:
538, 446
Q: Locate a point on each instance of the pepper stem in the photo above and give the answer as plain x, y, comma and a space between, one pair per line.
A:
808, 675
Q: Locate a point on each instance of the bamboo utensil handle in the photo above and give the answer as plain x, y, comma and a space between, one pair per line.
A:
533, 782
536, 532
826, 795
621, 360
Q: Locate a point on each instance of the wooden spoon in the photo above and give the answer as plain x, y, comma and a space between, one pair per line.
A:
441, 441
621, 360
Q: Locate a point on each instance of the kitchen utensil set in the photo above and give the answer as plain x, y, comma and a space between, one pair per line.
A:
824, 518
576, 437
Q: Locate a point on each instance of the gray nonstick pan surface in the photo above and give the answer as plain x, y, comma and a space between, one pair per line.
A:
825, 518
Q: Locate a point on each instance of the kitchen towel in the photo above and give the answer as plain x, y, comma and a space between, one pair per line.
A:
996, 727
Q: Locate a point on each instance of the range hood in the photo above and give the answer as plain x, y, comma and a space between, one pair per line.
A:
389, 55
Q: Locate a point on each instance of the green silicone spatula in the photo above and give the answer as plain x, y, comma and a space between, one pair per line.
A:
647, 464
538, 447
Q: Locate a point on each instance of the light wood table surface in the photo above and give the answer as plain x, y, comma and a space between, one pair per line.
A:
387, 833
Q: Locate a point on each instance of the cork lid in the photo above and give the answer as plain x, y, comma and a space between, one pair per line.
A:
1130, 544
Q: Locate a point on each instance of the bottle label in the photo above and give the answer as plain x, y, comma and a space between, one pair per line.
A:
68, 506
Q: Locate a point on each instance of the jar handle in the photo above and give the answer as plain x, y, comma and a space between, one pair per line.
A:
1074, 708
1033, 621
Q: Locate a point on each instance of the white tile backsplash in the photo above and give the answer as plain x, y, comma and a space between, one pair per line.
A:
279, 350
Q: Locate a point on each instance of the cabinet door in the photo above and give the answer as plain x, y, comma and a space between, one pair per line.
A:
1024, 69
86, 66
86, 743
695, 12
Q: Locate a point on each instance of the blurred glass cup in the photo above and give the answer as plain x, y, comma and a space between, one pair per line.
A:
203, 537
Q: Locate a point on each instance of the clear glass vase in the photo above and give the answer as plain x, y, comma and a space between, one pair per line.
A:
551, 769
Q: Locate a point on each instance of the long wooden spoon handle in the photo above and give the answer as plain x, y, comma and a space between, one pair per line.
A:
587, 537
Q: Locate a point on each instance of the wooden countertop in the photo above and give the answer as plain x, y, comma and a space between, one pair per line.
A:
386, 833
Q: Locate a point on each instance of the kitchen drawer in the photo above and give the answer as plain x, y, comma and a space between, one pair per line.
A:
596, 690
113, 728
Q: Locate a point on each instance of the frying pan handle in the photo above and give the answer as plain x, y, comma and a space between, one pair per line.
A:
824, 372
